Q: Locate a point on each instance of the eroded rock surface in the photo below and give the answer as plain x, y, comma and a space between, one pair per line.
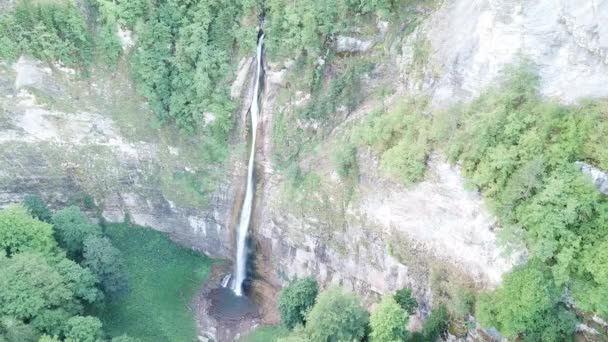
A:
471, 41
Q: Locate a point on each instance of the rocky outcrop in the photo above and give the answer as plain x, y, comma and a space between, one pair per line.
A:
351, 45
599, 177
471, 41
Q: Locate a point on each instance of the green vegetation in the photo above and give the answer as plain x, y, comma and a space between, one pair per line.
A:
388, 321
105, 261
401, 137
527, 304
296, 300
162, 279
405, 300
41, 290
337, 316
48, 30
266, 334
72, 227
37, 208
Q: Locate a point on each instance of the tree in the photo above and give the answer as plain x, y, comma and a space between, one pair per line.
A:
83, 329
28, 286
72, 227
105, 261
37, 208
47, 338
388, 321
336, 317
526, 300
405, 299
81, 281
20, 232
15, 330
296, 299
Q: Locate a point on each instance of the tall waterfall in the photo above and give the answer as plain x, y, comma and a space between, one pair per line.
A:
240, 271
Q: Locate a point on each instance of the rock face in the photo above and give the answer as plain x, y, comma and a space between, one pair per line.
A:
471, 41
58, 141
599, 177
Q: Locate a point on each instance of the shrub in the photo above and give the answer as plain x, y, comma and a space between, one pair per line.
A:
406, 301
388, 321
337, 317
296, 300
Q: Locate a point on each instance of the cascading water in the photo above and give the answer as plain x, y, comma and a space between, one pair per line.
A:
240, 271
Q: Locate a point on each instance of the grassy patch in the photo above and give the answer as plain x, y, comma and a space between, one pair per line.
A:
266, 334
163, 278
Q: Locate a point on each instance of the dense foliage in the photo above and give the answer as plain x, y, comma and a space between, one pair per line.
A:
48, 30
295, 301
388, 321
405, 300
43, 292
337, 316
521, 151
527, 304
72, 227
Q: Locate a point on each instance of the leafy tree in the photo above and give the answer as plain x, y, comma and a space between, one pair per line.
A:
296, 300
336, 317
52, 321
72, 227
20, 232
388, 321
37, 208
526, 299
15, 330
47, 338
105, 261
83, 329
405, 299
28, 286
81, 281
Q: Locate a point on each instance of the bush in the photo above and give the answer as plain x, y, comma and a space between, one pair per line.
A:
406, 301
336, 317
37, 208
388, 321
296, 300
72, 227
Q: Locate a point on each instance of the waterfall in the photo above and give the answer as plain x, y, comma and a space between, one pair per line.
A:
240, 271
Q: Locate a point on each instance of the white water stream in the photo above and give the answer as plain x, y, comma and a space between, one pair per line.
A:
240, 270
